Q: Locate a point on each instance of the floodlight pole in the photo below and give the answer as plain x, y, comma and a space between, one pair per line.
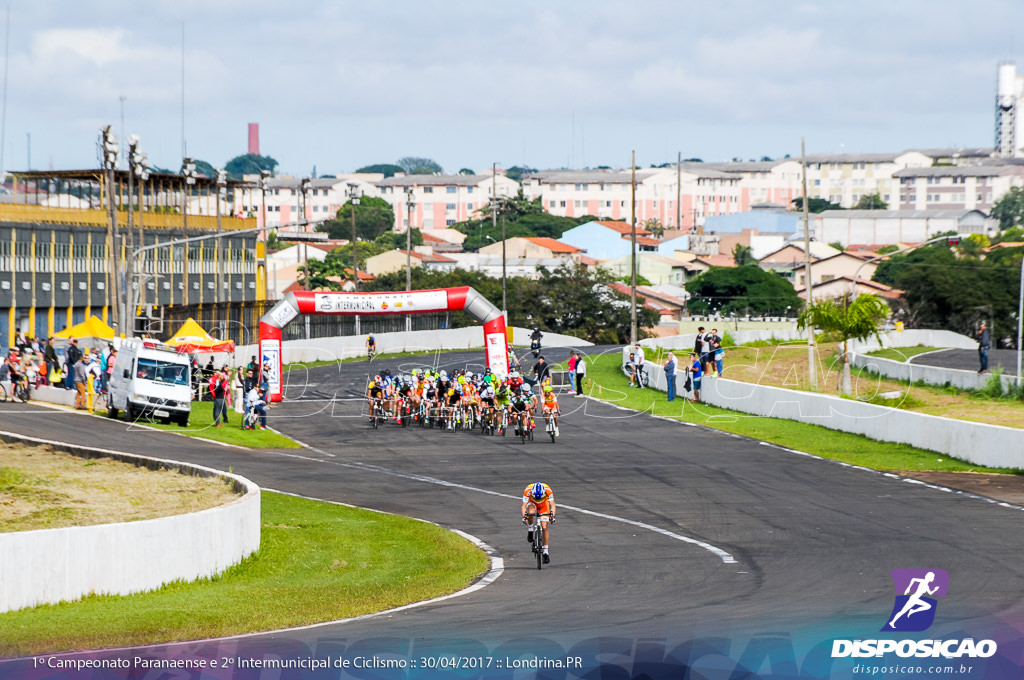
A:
812, 373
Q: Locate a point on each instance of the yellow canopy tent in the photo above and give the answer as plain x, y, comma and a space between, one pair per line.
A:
193, 339
93, 327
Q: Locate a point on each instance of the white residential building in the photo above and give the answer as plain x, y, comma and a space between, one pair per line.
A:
676, 199
440, 201
975, 187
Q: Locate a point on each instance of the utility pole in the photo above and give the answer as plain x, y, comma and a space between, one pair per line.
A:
679, 191
353, 195
633, 334
812, 374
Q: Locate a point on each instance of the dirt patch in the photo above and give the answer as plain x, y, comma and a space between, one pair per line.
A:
1008, 488
44, 489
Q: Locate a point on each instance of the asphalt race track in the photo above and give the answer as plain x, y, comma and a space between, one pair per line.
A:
967, 359
802, 544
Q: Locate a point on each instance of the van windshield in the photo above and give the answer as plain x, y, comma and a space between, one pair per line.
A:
162, 371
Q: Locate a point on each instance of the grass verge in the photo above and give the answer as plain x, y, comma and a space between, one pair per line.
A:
901, 353
609, 384
200, 424
317, 562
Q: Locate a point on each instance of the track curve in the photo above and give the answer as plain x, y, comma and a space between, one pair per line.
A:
812, 541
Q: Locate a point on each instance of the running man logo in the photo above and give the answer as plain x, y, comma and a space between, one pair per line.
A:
916, 590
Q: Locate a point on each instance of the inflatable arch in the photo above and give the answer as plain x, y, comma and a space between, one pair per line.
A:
405, 302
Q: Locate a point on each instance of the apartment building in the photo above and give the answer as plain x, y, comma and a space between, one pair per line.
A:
678, 199
293, 199
974, 187
439, 201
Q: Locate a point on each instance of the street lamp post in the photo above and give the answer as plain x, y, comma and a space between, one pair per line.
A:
410, 205
264, 185
222, 186
188, 171
137, 167
109, 150
353, 195
303, 194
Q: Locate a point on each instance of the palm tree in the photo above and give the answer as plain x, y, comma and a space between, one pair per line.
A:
858, 319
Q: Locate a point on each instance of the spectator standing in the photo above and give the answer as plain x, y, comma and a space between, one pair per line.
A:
719, 356
581, 373
218, 392
572, 372
236, 388
696, 371
248, 384
541, 370
50, 357
984, 344
714, 343
705, 352
80, 371
71, 356
670, 376
111, 362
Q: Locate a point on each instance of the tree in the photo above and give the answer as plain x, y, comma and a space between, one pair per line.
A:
419, 166
516, 172
815, 205
579, 301
1009, 209
944, 289
249, 164
205, 169
1012, 235
871, 202
743, 255
725, 290
857, 319
654, 226
522, 218
386, 169
466, 171
374, 216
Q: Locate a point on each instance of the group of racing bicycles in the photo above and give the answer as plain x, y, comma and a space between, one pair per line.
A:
462, 401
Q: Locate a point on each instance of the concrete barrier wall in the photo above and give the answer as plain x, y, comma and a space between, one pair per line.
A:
908, 338
57, 565
344, 347
930, 375
977, 443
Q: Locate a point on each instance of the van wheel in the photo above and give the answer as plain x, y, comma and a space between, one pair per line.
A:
129, 412
111, 412
183, 421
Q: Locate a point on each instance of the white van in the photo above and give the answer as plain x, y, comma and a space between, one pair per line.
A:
150, 379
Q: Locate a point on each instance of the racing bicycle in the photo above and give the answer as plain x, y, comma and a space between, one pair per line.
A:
533, 520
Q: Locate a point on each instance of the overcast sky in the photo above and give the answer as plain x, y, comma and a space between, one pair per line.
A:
549, 84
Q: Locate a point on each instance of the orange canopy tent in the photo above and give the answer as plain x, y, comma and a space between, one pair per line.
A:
191, 338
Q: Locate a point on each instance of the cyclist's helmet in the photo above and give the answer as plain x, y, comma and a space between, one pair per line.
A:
548, 387
444, 374
537, 492
462, 380
376, 378
527, 389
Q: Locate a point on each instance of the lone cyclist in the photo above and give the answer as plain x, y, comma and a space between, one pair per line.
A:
540, 500
371, 347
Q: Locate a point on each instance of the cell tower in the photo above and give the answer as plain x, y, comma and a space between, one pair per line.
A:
1009, 121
